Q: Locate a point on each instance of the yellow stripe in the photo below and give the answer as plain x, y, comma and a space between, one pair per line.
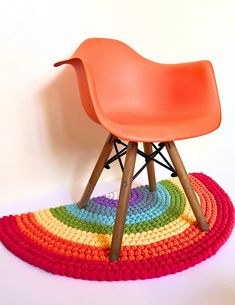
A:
53, 225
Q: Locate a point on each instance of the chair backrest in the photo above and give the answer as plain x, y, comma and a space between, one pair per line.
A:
109, 71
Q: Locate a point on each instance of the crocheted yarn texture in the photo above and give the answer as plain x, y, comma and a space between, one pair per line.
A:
161, 235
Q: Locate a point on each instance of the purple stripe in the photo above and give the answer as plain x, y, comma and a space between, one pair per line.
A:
135, 197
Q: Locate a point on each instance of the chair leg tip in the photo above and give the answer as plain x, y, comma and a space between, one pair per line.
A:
114, 257
205, 227
81, 206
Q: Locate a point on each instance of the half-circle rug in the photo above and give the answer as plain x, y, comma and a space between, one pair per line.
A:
161, 235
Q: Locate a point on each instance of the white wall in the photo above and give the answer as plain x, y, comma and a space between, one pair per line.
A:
46, 139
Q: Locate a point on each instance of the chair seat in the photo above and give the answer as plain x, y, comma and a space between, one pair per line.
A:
160, 130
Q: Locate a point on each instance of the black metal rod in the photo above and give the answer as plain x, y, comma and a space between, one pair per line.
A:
163, 157
120, 142
167, 162
148, 157
146, 163
118, 155
164, 165
138, 172
115, 157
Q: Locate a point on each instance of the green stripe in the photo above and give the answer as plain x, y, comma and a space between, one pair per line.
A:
175, 210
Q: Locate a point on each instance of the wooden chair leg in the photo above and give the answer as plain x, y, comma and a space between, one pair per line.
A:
150, 167
123, 201
186, 184
106, 151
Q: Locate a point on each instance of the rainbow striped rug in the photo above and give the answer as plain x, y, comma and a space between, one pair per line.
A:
161, 235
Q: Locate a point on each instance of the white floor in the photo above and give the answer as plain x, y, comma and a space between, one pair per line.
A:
209, 283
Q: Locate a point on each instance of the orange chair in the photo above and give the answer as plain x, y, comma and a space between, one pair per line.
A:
138, 100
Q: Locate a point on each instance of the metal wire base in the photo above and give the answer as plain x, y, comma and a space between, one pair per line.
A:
157, 151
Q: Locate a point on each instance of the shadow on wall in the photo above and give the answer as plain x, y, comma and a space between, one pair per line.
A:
73, 139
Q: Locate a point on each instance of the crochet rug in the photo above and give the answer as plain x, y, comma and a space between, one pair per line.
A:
161, 234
